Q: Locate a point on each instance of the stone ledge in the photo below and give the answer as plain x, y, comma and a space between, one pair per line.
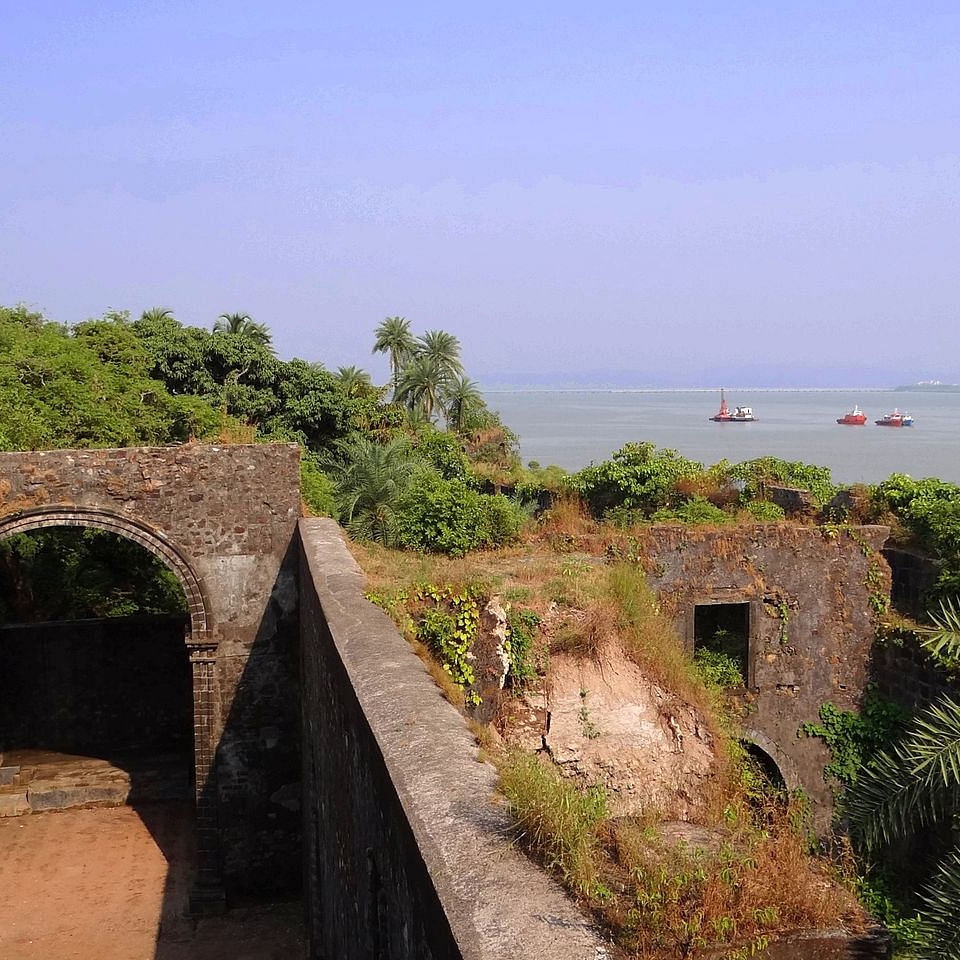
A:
496, 902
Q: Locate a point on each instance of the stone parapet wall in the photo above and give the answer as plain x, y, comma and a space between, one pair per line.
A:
407, 851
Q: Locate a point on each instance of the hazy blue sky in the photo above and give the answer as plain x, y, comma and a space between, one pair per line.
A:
649, 193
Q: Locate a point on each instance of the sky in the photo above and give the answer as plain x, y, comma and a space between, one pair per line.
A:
645, 194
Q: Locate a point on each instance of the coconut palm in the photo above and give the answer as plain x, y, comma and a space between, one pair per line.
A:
157, 314
245, 326
461, 397
916, 785
370, 478
393, 337
422, 385
352, 380
441, 348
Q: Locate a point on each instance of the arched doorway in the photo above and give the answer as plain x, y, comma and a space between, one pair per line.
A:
772, 758
193, 713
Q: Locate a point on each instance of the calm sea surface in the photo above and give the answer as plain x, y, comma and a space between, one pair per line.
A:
573, 427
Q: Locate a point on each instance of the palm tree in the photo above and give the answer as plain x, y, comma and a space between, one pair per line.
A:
461, 397
916, 785
443, 349
394, 338
352, 380
157, 314
370, 478
422, 385
244, 325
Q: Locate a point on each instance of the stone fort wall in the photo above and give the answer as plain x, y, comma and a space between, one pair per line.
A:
224, 520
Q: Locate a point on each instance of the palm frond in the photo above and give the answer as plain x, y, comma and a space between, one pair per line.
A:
914, 784
943, 638
941, 908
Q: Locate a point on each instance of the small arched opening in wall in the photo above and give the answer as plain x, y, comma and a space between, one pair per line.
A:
143, 691
771, 758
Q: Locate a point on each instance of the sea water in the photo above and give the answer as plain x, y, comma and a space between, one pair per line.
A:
571, 428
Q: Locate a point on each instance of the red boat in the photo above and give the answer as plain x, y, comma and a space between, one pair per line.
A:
895, 419
855, 418
740, 415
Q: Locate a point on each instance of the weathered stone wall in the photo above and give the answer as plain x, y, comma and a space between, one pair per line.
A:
115, 686
812, 621
904, 673
407, 852
223, 518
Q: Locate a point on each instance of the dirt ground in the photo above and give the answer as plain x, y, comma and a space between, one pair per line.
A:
110, 884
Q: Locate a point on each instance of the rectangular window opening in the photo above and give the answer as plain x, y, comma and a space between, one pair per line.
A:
724, 629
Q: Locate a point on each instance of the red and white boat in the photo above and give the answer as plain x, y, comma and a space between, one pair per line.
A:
739, 415
895, 419
855, 418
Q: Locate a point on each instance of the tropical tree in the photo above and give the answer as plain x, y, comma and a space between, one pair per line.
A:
461, 398
442, 349
394, 338
352, 380
422, 385
157, 314
915, 786
370, 478
244, 325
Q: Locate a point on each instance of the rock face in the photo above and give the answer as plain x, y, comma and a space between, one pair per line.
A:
605, 722
491, 662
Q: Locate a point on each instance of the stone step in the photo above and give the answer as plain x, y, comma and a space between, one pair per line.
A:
13, 804
9, 775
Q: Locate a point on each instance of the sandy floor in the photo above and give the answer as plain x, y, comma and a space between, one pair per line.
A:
109, 884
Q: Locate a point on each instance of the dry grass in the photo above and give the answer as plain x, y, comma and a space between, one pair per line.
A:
664, 899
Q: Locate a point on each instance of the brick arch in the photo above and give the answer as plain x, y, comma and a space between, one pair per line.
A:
135, 530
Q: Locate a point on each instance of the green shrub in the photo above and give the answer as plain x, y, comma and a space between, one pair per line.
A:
718, 669
504, 518
636, 476
437, 515
317, 490
693, 511
756, 474
441, 450
764, 511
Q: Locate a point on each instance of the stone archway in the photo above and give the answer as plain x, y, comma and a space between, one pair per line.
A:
202, 650
777, 755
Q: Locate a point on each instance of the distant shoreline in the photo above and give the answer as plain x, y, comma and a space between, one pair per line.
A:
733, 389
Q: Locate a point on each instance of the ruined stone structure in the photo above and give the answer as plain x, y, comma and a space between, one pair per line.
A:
808, 596
316, 731
223, 519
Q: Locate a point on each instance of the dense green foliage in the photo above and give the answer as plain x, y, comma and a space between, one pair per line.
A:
92, 385
72, 573
449, 516
638, 476
930, 510
641, 483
